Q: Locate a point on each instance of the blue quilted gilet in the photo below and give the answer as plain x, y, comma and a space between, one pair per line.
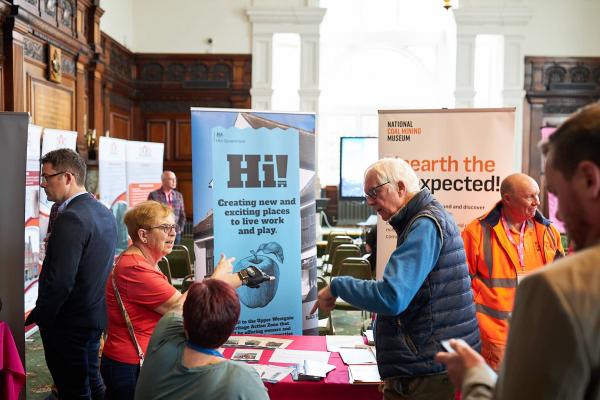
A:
442, 308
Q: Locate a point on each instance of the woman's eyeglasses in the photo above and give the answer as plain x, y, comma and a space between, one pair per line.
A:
166, 228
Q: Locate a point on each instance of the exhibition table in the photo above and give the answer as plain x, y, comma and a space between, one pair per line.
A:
335, 386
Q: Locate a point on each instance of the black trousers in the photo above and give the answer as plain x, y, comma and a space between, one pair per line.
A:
72, 358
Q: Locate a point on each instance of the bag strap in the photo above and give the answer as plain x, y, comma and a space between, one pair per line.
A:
125, 314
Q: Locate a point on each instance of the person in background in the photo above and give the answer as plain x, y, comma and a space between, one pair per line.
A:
553, 351
70, 309
371, 248
502, 247
425, 294
183, 361
172, 198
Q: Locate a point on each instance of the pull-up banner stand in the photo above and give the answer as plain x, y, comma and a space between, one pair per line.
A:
254, 199
13, 160
461, 155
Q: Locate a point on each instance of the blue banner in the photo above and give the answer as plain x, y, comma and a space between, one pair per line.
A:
204, 121
256, 212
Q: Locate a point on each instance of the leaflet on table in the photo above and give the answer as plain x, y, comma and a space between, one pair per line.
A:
314, 369
258, 342
363, 374
247, 355
337, 342
286, 356
358, 356
271, 373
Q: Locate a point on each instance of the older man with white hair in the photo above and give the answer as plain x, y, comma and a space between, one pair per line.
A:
425, 295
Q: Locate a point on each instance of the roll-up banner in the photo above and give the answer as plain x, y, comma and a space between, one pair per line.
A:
127, 172
460, 155
271, 227
546, 132
144, 168
32, 218
112, 183
13, 164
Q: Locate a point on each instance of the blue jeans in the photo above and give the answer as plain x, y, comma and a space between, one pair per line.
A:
119, 378
72, 358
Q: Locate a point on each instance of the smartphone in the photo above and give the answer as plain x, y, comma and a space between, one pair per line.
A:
447, 347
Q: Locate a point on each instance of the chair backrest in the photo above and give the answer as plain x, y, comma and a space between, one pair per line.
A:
335, 242
356, 267
342, 252
179, 262
329, 239
164, 266
189, 245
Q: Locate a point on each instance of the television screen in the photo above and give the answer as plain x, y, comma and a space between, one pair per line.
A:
356, 154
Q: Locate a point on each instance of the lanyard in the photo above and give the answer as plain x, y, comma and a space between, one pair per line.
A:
521, 245
203, 350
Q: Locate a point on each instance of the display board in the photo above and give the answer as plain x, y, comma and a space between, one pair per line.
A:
256, 201
461, 155
205, 122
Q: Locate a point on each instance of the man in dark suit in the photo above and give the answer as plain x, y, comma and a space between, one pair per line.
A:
171, 197
70, 309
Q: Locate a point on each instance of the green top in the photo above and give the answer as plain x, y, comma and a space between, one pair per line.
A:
163, 375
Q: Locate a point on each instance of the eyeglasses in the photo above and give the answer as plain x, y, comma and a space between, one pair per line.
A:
372, 193
46, 177
166, 228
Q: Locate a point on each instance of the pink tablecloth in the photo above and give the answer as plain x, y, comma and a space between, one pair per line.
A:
12, 374
335, 386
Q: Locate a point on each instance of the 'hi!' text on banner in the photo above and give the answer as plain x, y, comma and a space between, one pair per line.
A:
257, 220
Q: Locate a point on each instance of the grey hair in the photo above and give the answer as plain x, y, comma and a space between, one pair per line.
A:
395, 170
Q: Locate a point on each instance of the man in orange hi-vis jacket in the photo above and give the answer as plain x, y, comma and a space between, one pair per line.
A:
503, 247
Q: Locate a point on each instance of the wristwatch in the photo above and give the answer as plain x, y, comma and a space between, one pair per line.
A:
245, 275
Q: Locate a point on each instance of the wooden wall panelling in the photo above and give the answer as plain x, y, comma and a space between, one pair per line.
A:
120, 125
183, 139
159, 130
555, 87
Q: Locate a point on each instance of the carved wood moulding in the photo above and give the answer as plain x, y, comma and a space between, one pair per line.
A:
202, 71
547, 75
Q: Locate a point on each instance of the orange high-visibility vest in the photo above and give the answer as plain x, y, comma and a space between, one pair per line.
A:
493, 268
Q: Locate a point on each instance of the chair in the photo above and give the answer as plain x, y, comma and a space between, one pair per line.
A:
342, 252
188, 242
180, 265
335, 242
358, 268
325, 321
163, 264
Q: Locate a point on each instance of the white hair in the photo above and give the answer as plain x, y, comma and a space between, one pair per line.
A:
395, 170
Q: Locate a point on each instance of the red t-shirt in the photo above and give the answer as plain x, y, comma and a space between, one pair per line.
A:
142, 288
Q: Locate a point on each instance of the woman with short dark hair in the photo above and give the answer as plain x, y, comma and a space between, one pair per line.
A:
183, 362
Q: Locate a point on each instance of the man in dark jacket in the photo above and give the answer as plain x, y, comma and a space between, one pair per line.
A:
425, 294
70, 309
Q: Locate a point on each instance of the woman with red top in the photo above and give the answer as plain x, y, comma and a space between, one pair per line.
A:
145, 294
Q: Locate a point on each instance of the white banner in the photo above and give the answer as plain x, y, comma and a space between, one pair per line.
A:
144, 168
32, 217
461, 155
112, 183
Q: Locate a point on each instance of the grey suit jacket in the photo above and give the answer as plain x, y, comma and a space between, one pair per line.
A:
553, 349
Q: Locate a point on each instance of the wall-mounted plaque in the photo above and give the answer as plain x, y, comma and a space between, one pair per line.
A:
54, 63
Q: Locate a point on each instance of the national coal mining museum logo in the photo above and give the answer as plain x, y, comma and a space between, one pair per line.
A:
401, 131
